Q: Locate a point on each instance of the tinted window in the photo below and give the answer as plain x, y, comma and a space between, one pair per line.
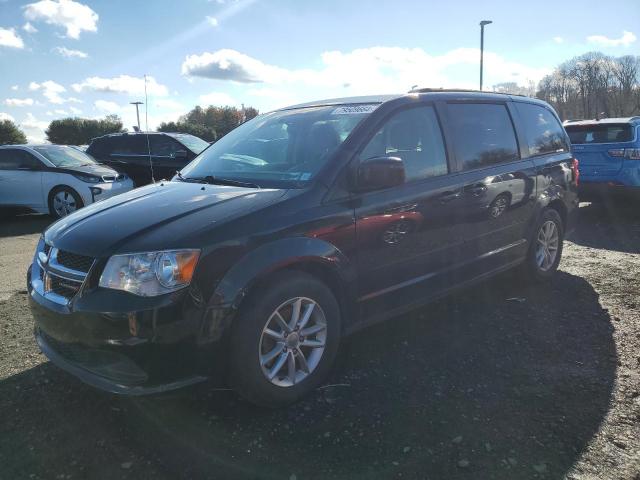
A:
14, 159
483, 134
413, 135
163, 146
130, 145
543, 131
195, 144
600, 133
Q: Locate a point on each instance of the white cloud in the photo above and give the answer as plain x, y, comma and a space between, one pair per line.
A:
217, 98
70, 53
168, 104
364, 71
74, 17
6, 116
625, 40
60, 111
34, 129
51, 91
107, 106
14, 87
18, 102
75, 111
29, 28
213, 21
9, 38
558, 39
121, 84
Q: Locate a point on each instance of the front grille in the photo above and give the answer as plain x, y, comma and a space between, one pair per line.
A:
73, 261
62, 286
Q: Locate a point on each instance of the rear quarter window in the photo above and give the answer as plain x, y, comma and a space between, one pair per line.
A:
543, 131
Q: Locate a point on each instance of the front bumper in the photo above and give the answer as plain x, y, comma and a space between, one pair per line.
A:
107, 190
131, 351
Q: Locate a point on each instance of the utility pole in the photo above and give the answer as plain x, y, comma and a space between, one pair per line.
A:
137, 112
482, 24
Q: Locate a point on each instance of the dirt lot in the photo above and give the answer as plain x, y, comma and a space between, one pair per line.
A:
500, 381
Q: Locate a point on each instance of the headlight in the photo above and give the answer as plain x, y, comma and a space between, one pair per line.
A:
88, 178
150, 274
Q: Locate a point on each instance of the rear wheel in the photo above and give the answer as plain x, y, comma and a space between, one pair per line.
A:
284, 340
545, 250
63, 201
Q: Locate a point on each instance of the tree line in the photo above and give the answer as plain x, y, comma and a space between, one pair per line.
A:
594, 85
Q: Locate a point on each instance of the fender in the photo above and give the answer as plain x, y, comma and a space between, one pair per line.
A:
257, 264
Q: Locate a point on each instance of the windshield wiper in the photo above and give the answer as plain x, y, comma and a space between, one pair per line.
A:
211, 180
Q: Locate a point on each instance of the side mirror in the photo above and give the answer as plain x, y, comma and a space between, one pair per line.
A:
181, 154
379, 173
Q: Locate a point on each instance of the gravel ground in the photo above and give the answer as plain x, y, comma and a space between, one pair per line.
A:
501, 381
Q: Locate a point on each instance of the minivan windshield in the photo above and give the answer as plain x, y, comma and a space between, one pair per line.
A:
282, 149
62, 156
610, 133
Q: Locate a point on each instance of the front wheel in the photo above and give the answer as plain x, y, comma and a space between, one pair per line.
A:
545, 249
284, 340
63, 201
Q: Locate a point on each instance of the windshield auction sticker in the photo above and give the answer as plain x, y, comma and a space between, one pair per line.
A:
351, 109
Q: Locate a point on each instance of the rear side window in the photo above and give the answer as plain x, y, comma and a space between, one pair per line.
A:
611, 133
130, 145
542, 130
483, 134
414, 136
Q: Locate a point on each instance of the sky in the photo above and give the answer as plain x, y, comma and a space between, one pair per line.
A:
61, 58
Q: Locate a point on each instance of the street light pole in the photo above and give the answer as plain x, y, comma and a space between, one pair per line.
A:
137, 112
482, 24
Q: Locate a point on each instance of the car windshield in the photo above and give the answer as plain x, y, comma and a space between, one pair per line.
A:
282, 149
195, 144
612, 133
65, 156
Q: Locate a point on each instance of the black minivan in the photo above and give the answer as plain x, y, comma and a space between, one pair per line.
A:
296, 229
146, 156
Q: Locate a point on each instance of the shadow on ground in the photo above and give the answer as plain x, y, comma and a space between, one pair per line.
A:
15, 223
501, 381
612, 225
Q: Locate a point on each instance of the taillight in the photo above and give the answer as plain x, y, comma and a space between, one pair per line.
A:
575, 170
630, 153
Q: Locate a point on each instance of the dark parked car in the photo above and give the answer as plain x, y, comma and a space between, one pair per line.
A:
146, 156
298, 228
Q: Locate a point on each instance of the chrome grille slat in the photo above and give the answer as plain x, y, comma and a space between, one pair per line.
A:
61, 274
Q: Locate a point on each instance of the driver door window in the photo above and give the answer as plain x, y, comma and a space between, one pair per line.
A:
414, 136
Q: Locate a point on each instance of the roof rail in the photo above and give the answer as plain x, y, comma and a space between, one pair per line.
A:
461, 90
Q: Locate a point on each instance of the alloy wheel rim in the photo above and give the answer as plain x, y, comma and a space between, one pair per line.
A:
64, 203
498, 207
292, 341
547, 245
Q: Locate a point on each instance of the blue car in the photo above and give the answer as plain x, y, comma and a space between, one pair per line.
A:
609, 154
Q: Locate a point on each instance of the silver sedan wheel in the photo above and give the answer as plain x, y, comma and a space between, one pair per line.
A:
64, 203
292, 341
547, 245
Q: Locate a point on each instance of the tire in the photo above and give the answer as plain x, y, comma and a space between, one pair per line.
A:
72, 201
252, 357
533, 268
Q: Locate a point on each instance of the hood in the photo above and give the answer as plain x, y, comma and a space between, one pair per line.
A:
162, 216
92, 169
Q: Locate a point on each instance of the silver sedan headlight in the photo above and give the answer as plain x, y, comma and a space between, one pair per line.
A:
151, 273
